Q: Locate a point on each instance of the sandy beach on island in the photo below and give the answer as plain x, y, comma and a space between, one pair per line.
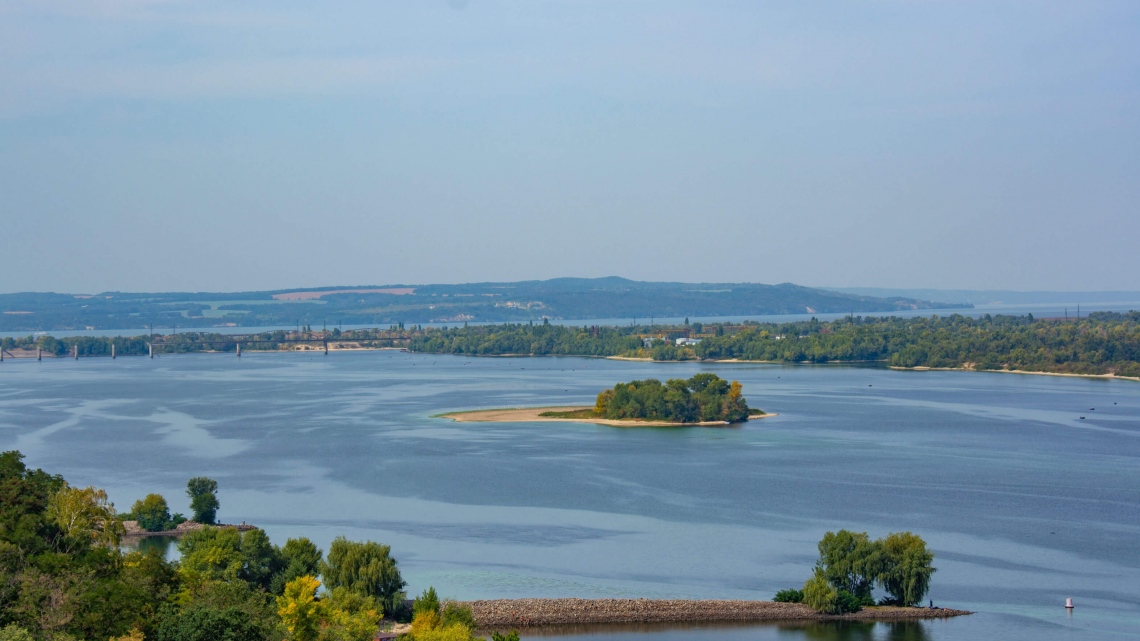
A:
533, 415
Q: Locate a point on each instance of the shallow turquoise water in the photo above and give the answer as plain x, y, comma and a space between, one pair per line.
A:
1024, 503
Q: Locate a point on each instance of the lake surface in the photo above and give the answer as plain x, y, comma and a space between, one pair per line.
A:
1023, 502
1039, 310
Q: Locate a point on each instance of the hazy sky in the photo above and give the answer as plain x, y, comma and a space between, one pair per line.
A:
170, 145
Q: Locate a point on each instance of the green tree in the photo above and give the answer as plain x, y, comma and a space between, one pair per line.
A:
203, 499
299, 557
426, 602
210, 624
258, 606
13, 632
152, 513
260, 559
905, 575
850, 561
365, 568
225, 554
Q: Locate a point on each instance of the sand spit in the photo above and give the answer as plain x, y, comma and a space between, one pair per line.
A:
533, 415
970, 368
521, 613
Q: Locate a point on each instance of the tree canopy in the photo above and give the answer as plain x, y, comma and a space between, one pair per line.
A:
63, 576
1103, 342
704, 397
203, 499
367, 569
851, 565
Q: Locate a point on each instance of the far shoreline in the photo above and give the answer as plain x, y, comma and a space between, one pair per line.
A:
918, 368
533, 415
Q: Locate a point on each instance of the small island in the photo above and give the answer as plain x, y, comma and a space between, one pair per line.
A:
703, 400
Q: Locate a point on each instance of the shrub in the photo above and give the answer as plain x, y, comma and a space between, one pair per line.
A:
847, 602
452, 613
791, 595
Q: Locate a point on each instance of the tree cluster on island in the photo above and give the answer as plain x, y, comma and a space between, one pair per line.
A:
152, 512
703, 398
64, 577
851, 565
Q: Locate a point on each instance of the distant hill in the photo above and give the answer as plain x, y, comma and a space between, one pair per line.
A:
996, 296
559, 298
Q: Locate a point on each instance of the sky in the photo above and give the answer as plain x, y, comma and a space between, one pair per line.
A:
151, 145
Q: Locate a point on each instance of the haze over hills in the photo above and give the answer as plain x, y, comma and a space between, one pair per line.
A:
996, 296
560, 298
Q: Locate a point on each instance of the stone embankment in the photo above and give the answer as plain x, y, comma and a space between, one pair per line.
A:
521, 613
132, 529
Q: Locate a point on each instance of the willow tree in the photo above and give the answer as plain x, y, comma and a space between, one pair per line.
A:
367, 569
850, 561
906, 569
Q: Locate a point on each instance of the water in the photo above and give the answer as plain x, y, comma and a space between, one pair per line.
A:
1039, 310
1023, 502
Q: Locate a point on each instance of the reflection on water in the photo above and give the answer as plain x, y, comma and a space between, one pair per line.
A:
812, 631
167, 546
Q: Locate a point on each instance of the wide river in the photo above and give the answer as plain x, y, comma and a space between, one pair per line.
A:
1023, 501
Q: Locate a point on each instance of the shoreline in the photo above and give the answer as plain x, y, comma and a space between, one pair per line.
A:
922, 368
919, 368
533, 415
18, 354
523, 613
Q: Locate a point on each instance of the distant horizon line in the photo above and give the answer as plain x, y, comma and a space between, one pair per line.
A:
843, 289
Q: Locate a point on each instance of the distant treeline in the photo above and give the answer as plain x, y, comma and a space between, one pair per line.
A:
1102, 343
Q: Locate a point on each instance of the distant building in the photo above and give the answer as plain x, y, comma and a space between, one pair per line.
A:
688, 341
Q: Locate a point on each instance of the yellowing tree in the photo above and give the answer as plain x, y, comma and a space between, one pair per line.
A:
349, 617
299, 609
84, 516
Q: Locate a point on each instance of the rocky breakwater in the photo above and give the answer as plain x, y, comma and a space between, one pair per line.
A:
131, 529
521, 613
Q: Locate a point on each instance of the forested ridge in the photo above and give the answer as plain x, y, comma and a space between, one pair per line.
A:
1103, 343
390, 304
